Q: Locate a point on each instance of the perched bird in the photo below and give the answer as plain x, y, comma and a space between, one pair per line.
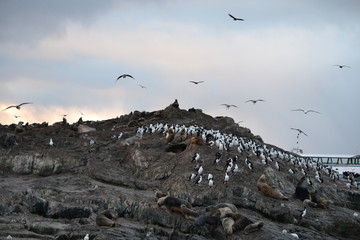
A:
192, 176
17, 106
51, 143
341, 66
255, 101
211, 183
198, 181
201, 170
229, 105
196, 157
9, 237
235, 18
86, 237
302, 214
299, 130
196, 82
124, 76
226, 178
305, 111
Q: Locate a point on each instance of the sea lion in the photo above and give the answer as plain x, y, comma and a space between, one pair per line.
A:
321, 202
223, 205
180, 136
226, 212
301, 191
107, 218
169, 136
268, 190
228, 224
172, 204
188, 213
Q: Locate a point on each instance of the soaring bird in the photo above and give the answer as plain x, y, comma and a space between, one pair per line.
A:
125, 76
17, 106
236, 19
229, 105
305, 111
299, 131
341, 66
142, 86
196, 82
255, 101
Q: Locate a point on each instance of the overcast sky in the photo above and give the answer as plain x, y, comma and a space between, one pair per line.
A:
64, 56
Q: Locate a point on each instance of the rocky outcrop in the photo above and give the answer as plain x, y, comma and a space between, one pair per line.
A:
58, 192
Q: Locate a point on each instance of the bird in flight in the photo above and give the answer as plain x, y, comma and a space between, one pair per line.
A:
255, 101
142, 86
17, 106
299, 131
229, 105
341, 66
236, 19
125, 76
196, 82
305, 111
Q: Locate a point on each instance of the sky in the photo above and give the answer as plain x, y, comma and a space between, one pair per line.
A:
65, 56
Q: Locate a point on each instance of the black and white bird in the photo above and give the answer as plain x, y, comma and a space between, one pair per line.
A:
86, 237
9, 237
299, 131
17, 106
51, 143
218, 157
199, 180
124, 76
192, 176
226, 178
211, 182
305, 111
302, 214
235, 18
277, 166
255, 101
196, 157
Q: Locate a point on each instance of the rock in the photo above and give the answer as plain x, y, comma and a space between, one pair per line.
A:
8, 140
22, 164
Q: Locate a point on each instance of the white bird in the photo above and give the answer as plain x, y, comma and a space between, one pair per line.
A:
294, 235
201, 170
305, 111
9, 237
303, 213
355, 214
51, 143
199, 180
236, 168
120, 135
210, 176
86, 237
196, 157
226, 178
277, 165
211, 183
192, 176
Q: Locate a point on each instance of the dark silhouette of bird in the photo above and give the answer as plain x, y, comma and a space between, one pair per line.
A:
142, 86
17, 106
341, 66
235, 18
229, 105
16, 116
299, 131
124, 76
196, 82
255, 101
305, 111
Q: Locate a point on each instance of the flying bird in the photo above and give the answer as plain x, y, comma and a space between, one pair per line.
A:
299, 131
255, 101
18, 106
142, 86
125, 76
229, 105
305, 111
235, 18
341, 66
196, 82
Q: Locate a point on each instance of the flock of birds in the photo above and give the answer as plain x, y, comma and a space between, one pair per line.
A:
249, 155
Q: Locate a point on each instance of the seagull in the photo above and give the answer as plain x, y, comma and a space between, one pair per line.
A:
142, 86
236, 19
196, 82
17, 106
299, 130
255, 101
51, 142
341, 66
124, 76
305, 111
86, 237
229, 105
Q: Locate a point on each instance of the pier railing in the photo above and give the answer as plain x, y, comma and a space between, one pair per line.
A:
341, 160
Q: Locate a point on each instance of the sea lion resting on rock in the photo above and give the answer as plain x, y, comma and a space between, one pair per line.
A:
228, 216
321, 202
174, 204
268, 190
107, 218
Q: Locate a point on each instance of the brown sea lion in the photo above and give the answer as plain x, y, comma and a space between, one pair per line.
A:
321, 202
107, 218
301, 191
188, 213
180, 136
268, 190
169, 136
228, 224
172, 203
